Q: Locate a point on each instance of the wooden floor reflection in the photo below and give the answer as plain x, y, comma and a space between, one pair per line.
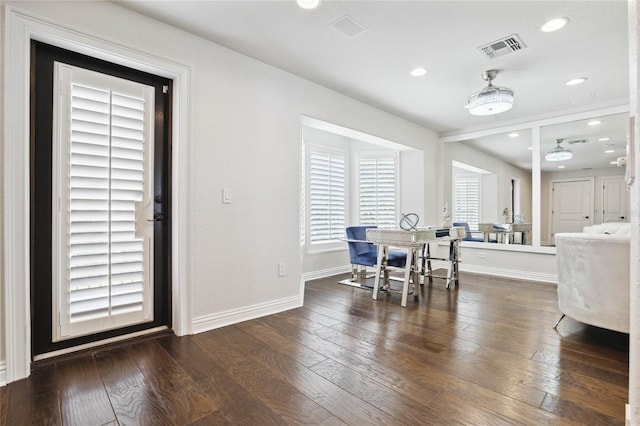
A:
484, 353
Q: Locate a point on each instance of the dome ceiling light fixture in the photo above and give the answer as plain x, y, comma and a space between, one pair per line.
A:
308, 4
492, 99
558, 153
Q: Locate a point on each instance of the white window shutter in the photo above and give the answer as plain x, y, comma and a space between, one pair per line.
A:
377, 190
466, 200
103, 166
327, 193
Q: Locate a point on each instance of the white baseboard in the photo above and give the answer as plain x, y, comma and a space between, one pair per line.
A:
627, 415
3, 373
510, 273
440, 264
324, 273
234, 316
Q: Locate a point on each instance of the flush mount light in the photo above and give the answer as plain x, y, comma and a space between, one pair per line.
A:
604, 139
492, 99
558, 153
554, 24
308, 4
594, 123
575, 81
609, 149
561, 167
418, 72
514, 135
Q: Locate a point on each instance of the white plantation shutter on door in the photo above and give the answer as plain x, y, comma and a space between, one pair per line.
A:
466, 200
102, 243
377, 190
327, 192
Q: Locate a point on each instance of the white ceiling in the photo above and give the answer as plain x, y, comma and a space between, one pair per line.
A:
442, 36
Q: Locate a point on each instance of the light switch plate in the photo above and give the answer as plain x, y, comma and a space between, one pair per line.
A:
226, 195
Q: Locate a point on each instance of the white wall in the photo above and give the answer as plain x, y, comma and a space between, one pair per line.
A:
244, 128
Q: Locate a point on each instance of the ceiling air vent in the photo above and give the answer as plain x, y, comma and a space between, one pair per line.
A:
575, 141
502, 47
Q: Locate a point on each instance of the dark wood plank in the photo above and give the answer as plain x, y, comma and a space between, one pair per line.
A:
404, 410
193, 360
236, 404
344, 405
83, 398
131, 396
580, 413
217, 418
482, 353
270, 337
174, 389
4, 405
25, 404
293, 406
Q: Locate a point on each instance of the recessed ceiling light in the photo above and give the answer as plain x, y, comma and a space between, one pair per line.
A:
514, 135
594, 123
530, 148
561, 167
604, 139
575, 81
308, 4
554, 24
609, 151
418, 72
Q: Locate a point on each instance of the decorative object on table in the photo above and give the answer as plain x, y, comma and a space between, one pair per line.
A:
409, 222
446, 216
506, 215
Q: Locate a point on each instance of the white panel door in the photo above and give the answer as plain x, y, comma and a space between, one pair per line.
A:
615, 200
572, 206
102, 189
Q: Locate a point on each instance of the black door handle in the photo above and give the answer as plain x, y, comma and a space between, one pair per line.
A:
586, 217
158, 217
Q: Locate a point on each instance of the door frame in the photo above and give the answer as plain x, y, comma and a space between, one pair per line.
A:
552, 181
21, 28
45, 157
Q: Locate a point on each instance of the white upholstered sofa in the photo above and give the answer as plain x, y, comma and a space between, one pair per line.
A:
593, 275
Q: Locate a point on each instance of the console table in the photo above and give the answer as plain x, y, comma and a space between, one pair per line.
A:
415, 242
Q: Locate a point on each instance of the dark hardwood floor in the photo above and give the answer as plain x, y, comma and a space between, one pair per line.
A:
482, 354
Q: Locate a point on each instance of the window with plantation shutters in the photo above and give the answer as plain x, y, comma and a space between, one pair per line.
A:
466, 199
326, 195
102, 191
377, 190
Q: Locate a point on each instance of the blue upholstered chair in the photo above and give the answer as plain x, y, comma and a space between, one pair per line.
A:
469, 236
363, 253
